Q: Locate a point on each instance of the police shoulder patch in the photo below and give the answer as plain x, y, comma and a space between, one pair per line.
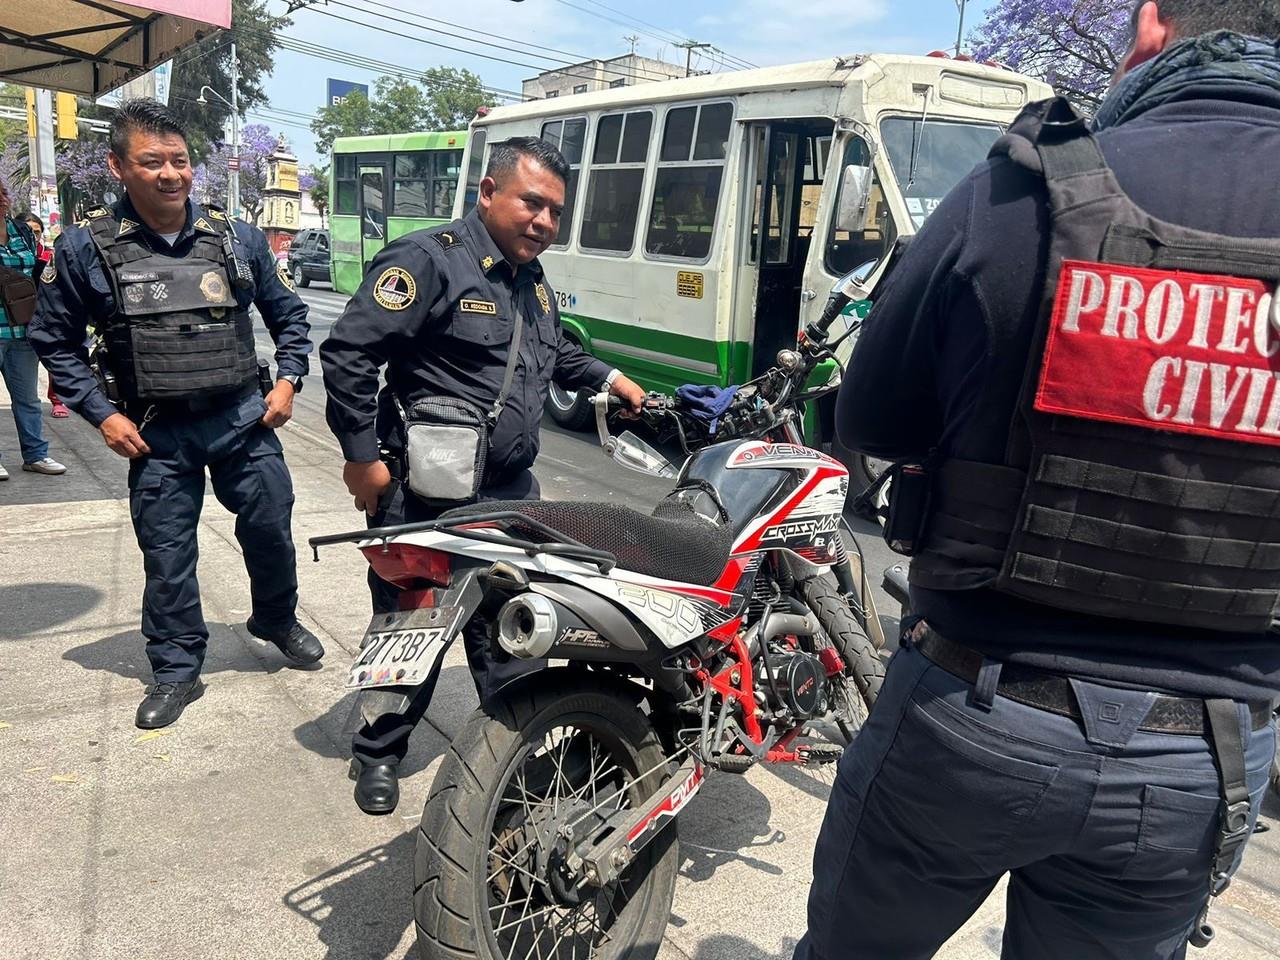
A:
97, 213
395, 289
282, 271
50, 273
216, 214
448, 239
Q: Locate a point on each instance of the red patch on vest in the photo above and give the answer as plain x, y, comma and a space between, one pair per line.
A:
1162, 349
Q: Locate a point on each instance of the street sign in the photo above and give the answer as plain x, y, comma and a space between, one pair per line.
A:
336, 90
233, 163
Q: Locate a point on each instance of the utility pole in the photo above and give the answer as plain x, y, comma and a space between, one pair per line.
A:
44, 177
960, 5
233, 166
689, 47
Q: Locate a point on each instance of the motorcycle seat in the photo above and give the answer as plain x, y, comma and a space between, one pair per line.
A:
673, 544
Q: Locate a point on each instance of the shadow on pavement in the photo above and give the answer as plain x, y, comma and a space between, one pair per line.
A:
125, 654
30, 608
731, 817
724, 946
362, 907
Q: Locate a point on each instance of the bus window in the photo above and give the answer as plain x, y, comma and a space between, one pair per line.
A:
615, 181
423, 183
847, 250
695, 141
475, 170
345, 184
928, 159
568, 137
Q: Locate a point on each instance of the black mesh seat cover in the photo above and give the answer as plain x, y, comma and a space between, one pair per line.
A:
673, 544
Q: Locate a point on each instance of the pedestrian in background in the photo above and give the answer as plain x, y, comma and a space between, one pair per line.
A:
18, 362
1084, 700
44, 253
168, 285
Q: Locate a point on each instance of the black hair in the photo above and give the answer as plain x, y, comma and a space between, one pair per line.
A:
32, 218
146, 115
504, 157
1191, 18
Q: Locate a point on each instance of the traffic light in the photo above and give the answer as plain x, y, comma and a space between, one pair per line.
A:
66, 104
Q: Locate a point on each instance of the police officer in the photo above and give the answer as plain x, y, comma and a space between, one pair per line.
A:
1079, 346
167, 285
438, 309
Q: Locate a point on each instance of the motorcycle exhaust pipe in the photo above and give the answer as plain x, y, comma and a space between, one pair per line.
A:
527, 626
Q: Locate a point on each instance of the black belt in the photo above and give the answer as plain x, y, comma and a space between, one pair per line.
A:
1052, 692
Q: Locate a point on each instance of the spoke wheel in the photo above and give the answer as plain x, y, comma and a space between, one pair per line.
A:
496, 876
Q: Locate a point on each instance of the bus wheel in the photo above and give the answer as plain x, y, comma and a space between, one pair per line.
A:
569, 408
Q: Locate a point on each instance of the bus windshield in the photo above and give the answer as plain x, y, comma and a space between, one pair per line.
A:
943, 152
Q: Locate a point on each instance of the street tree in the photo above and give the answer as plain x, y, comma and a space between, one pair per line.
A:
443, 98
209, 178
1074, 45
82, 167
317, 187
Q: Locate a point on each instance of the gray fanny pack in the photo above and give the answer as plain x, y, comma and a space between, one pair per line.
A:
446, 440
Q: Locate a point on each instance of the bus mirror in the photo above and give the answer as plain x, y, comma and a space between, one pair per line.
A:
855, 188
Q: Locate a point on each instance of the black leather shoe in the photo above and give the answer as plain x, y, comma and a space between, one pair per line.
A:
165, 702
378, 788
298, 644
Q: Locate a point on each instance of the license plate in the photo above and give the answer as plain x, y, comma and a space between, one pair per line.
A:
401, 649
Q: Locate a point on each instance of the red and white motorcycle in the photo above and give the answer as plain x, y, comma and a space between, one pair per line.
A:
733, 626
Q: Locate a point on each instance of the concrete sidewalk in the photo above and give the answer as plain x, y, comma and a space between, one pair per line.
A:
233, 834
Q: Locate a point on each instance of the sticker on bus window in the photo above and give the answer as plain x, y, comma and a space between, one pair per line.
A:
689, 284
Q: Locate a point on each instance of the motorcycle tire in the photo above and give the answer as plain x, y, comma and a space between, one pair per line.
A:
862, 662
470, 824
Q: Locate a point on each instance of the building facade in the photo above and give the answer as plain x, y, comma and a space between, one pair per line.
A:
590, 75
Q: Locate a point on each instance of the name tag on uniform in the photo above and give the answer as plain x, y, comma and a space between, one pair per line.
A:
478, 306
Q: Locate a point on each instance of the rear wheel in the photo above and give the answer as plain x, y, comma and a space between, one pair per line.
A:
858, 688
299, 278
492, 878
569, 408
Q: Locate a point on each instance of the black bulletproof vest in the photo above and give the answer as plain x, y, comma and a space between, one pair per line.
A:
1150, 523
178, 332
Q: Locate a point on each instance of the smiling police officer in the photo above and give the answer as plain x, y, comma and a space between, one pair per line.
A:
439, 309
167, 286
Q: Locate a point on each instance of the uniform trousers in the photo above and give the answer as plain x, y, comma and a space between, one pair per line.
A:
166, 491
385, 738
1106, 831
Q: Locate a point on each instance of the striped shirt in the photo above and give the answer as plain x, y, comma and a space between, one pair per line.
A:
16, 254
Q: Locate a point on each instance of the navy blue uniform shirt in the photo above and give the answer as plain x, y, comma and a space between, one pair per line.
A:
1199, 160
438, 308
75, 293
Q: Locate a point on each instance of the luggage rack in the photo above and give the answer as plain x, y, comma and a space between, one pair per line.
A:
560, 545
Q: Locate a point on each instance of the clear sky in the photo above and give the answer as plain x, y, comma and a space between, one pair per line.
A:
762, 32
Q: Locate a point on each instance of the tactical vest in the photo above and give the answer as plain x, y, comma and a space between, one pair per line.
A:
1142, 476
178, 332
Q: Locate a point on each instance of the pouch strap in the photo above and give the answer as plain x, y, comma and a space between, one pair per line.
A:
509, 375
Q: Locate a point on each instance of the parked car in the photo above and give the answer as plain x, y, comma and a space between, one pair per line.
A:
309, 257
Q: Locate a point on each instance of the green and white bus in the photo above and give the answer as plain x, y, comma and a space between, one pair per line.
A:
701, 228
384, 186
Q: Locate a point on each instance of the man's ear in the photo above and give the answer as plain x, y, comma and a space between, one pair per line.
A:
1151, 38
113, 164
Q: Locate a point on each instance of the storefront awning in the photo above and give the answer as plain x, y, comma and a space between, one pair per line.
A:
93, 46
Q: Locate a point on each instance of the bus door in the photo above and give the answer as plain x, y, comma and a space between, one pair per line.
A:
790, 160
373, 211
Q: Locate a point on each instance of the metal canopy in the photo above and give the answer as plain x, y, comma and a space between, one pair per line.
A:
91, 47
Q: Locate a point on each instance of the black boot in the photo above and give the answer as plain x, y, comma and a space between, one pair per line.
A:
377, 788
298, 644
165, 702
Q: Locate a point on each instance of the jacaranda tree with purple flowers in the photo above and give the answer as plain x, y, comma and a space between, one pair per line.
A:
1075, 45
209, 180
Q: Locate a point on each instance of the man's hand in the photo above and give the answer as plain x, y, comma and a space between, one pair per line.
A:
122, 436
279, 405
629, 391
367, 483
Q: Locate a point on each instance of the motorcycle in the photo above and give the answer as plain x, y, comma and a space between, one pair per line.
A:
733, 626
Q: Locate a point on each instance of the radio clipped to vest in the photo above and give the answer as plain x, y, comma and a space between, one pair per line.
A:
906, 488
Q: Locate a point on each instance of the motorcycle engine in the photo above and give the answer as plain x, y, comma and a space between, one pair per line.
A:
801, 683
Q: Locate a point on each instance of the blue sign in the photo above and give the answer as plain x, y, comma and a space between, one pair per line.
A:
336, 90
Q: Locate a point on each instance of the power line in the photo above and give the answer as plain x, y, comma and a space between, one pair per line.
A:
662, 36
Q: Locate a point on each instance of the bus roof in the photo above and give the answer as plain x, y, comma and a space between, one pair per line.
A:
450, 139
833, 72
